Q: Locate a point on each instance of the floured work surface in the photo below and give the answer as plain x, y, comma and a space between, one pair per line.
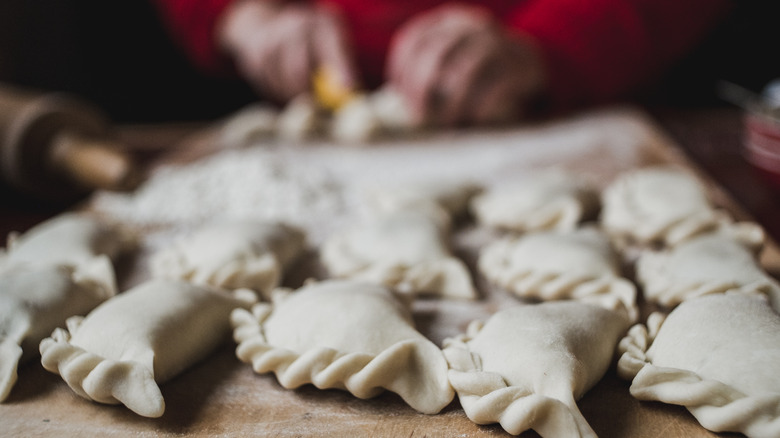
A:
322, 188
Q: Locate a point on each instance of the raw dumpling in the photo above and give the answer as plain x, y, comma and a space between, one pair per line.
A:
527, 365
406, 250
142, 337
452, 196
242, 254
544, 200
657, 205
348, 335
557, 265
718, 356
68, 239
706, 264
35, 299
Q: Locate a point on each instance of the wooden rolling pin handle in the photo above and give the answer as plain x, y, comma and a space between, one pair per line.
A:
93, 163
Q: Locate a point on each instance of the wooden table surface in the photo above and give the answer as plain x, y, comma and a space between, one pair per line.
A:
711, 138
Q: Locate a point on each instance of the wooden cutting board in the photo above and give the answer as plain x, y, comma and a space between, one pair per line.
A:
223, 397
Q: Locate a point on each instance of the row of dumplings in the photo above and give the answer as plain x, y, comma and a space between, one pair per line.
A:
525, 367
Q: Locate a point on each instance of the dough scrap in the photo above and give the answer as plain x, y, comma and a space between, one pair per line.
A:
659, 204
248, 254
717, 355
121, 350
356, 121
35, 299
68, 239
707, 264
527, 365
542, 200
406, 250
300, 119
555, 265
343, 334
251, 124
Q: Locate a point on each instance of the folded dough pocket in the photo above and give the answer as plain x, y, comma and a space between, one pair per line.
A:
240, 254
548, 199
527, 365
406, 250
717, 355
556, 265
121, 350
68, 239
658, 205
347, 335
36, 299
706, 264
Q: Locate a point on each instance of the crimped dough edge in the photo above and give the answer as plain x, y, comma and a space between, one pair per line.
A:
363, 375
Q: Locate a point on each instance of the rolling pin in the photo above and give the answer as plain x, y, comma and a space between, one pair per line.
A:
57, 148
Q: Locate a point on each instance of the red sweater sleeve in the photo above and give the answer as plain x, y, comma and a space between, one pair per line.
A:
192, 24
601, 50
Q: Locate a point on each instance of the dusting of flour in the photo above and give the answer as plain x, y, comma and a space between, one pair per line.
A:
322, 186
249, 183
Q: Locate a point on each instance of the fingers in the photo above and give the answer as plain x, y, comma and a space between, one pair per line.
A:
419, 81
437, 59
332, 48
463, 69
459, 83
278, 52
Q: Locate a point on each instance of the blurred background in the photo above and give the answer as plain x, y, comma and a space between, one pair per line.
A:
118, 55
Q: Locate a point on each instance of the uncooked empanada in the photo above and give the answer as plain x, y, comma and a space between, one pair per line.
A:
405, 249
69, 239
348, 335
718, 356
557, 265
527, 365
706, 264
248, 254
35, 299
121, 350
452, 196
543, 200
657, 205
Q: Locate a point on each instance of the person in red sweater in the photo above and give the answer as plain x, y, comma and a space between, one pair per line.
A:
455, 63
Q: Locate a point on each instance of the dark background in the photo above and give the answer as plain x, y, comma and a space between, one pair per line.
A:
118, 55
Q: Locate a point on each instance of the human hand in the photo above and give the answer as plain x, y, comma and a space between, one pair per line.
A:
277, 47
456, 65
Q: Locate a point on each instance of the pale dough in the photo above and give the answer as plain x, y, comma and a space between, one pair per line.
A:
250, 254
718, 356
542, 200
300, 119
355, 122
557, 265
451, 195
69, 239
368, 116
348, 335
706, 264
527, 365
406, 250
657, 205
121, 350
35, 299
248, 126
